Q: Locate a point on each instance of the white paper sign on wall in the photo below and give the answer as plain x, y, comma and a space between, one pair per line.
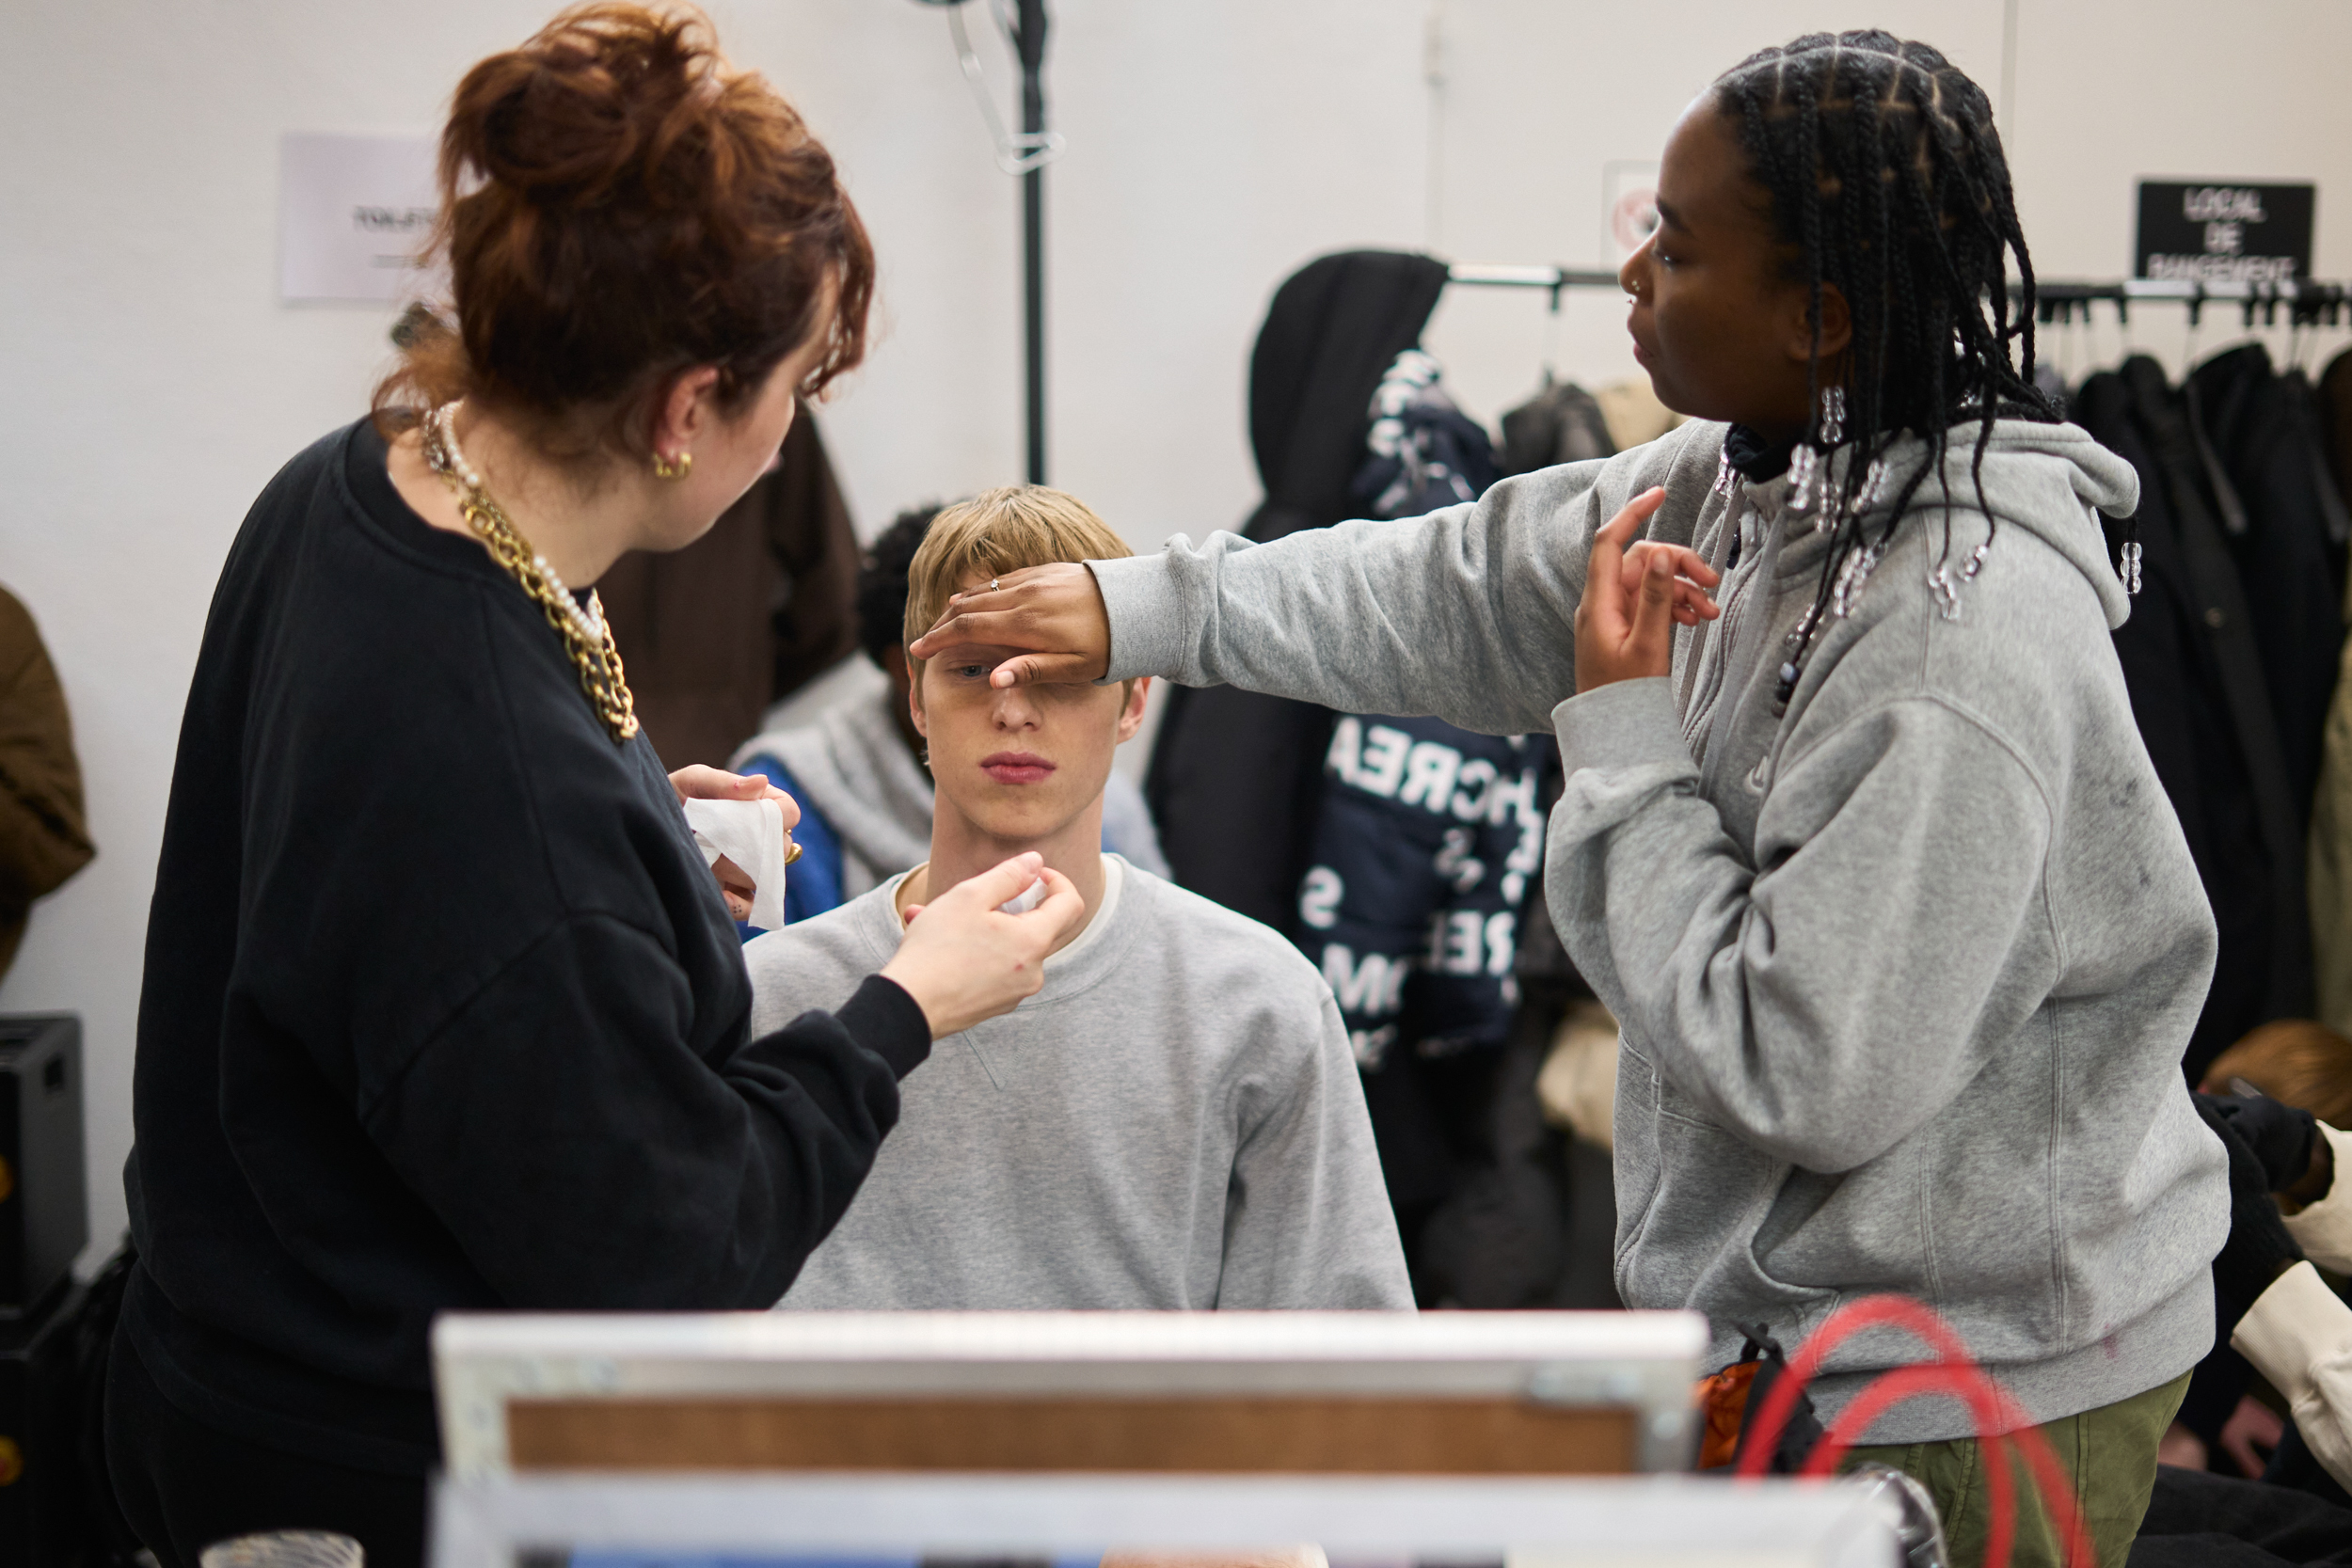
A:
352, 211
1629, 207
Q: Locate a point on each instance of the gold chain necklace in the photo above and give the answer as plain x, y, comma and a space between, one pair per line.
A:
587, 636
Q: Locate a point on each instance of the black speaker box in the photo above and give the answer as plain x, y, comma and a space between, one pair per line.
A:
44, 1522
44, 1200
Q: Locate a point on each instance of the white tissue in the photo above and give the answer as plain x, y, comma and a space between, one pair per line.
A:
1026, 899
749, 833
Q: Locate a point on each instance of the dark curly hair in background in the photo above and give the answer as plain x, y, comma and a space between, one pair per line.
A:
1887, 181
882, 581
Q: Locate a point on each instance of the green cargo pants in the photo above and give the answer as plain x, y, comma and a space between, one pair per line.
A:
2110, 1452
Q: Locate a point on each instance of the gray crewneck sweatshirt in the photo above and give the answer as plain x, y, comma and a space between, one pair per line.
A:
1904, 976
1173, 1121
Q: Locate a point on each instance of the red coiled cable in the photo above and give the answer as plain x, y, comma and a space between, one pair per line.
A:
1999, 1419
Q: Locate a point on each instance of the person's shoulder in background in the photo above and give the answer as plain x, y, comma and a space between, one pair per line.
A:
1128, 829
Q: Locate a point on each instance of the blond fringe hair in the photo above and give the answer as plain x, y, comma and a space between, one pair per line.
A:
995, 532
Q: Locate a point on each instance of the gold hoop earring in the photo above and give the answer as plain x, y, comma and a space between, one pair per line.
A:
673, 467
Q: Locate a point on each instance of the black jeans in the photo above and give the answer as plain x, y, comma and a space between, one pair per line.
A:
2200, 1520
184, 1485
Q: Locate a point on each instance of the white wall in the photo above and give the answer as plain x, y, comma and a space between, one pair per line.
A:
151, 383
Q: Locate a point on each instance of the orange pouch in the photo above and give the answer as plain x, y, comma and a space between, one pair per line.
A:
1722, 1401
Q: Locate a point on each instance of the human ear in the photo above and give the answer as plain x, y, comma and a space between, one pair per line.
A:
1836, 324
686, 409
1130, 716
1836, 321
915, 705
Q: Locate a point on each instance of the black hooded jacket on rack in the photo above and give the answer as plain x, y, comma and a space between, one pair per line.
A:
1235, 774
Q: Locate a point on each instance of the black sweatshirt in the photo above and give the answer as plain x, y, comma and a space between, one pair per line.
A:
442, 1007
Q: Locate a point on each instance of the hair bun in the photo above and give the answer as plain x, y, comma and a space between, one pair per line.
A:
618, 204
587, 104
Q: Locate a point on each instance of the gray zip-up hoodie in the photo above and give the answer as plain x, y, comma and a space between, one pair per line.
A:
1904, 977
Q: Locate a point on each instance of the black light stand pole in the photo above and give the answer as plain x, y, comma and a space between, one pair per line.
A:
1031, 44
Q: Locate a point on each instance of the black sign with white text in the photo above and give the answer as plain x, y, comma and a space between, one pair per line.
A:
2193, 232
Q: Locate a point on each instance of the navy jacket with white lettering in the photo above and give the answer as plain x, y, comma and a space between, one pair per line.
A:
1424, 850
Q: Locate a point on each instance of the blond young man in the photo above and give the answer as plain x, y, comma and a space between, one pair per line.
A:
1174, 1120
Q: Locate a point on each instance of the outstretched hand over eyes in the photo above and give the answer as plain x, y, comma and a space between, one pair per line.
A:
1053, 616
1635, 594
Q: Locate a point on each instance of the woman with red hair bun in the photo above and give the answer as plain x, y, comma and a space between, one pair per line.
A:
443, 1008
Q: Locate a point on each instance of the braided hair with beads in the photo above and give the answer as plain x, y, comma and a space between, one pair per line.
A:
1887, 182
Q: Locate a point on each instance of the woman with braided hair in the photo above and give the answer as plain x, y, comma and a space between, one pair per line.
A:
1862, 846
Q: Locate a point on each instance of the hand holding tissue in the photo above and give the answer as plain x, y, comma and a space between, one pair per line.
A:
751, 834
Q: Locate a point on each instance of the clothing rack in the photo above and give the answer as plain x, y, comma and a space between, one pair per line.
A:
1551, 279
2308, 302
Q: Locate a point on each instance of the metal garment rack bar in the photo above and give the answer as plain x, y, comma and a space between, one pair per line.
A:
1551, 279
2308, 302
2305, 291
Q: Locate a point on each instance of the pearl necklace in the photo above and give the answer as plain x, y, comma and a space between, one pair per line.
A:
587, 637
